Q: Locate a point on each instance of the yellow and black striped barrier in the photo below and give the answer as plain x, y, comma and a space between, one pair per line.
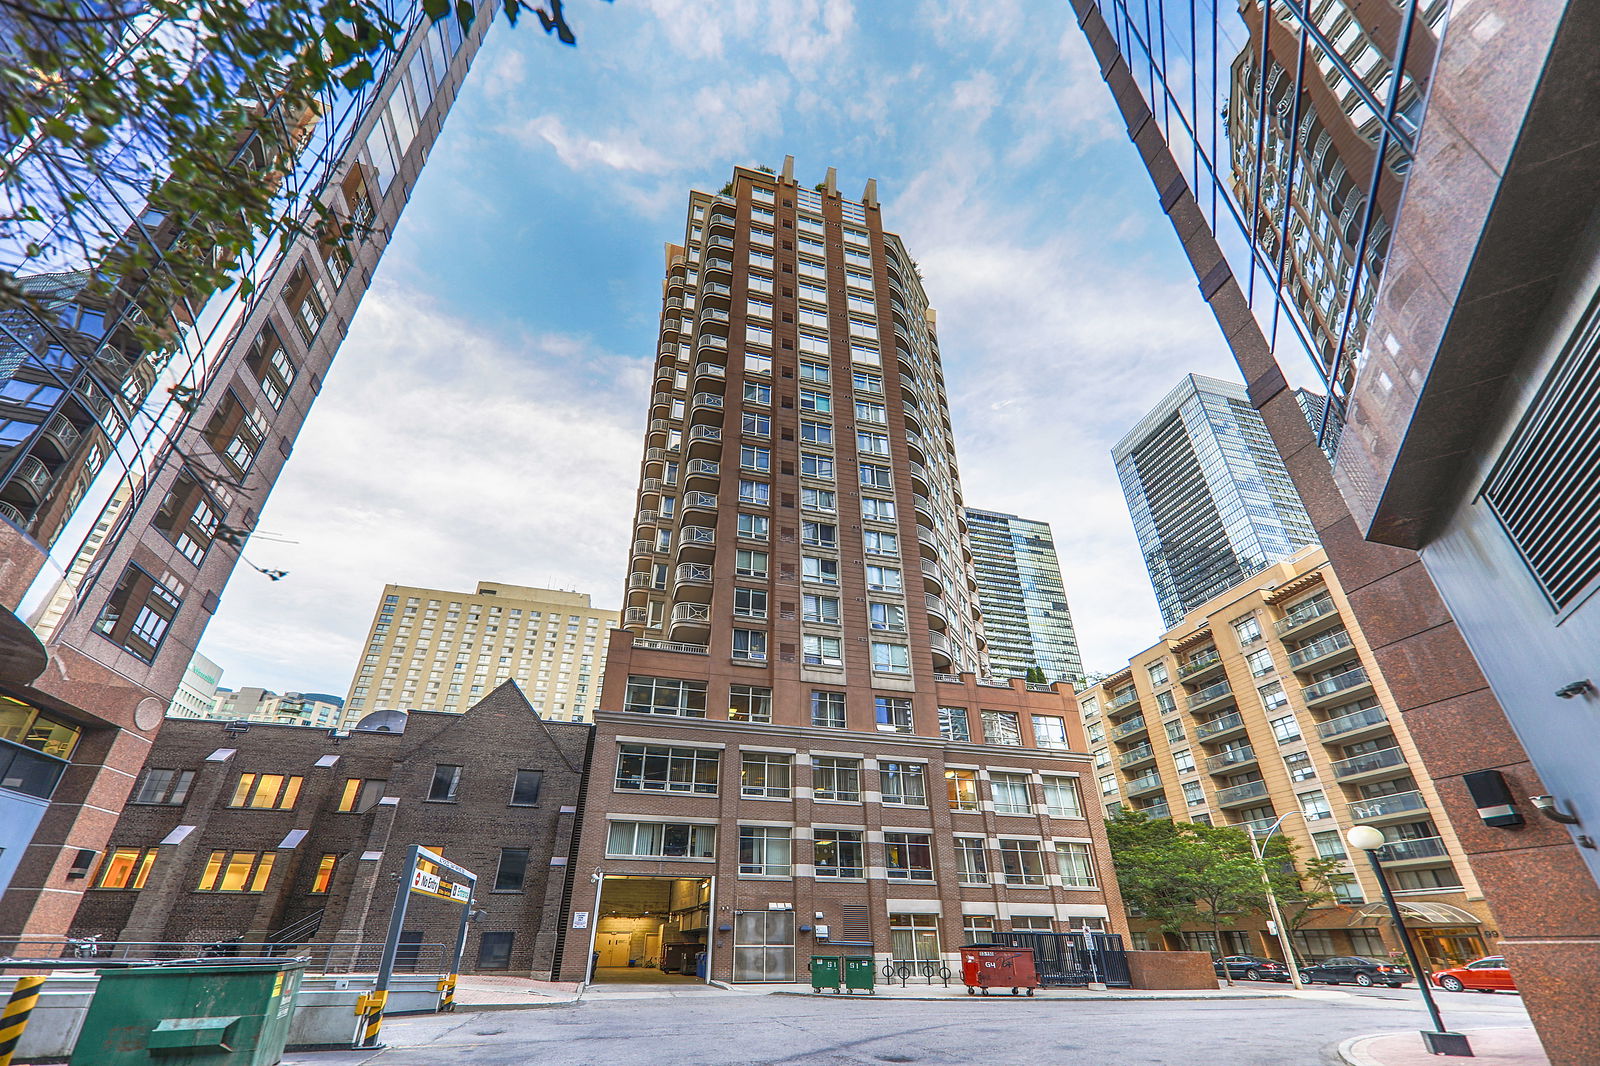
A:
447, 985
14, 1019
370, 1007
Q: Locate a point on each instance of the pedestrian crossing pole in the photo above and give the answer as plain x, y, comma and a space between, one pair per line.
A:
14, 1019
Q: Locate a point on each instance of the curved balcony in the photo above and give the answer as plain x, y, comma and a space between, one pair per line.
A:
638, 581
1225, 762
698, 541
721, 267
914, 447
718, 220
13, 514
1340, 685
932, 577
922, 506
655, 455
710, 343
713, 317
690, 616
1241, 795
1322, 651
643, 548
1307, 617
919, 478
650, 486
928, 541
1219, 728
938, 612
697, 575
34, 476
716, 291
941, 644
1158, 809
1373, 766
706, 408
710, 373
646, 516
63, 434
667, 350
907, 361
699, 501
701, 468
720, 241
635, 616
705, 441
1201, 666
1347, 727
658, 426
1211, 696
661, 405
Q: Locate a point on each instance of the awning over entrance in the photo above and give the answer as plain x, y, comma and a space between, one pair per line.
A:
1422, 913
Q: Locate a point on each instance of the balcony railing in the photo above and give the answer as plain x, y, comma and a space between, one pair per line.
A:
1124, 699
1156, 810
1306, 612
638, 581
34, 473
669, 645
1255, 825
1210, 694
702, 468
1371, 761
62, 429
1416, 848
1140, 785
1143, 753
705, 501
1199, 664
1218, 726
1378, 807
1335, 685
697, 535
710, 370
1232, 797
1132, 726
1320, 647
1349, 723
694, 573
708, 399
709, 433
691, 613
1239, 756
635, 616
15, 514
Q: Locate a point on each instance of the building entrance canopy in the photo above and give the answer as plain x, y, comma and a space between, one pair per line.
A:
1419, 913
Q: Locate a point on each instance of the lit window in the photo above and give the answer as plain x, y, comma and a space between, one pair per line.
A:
237, 871
266, 791
126, 868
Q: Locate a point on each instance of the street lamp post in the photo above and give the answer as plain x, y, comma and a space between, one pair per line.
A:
1440, 1041
1258, 848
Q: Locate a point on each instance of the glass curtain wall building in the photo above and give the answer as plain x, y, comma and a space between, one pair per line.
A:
1210, 498
1295, 122
1023, 598
130, 480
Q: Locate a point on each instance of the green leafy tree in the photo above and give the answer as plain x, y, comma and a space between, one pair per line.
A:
1036, 675
196, 110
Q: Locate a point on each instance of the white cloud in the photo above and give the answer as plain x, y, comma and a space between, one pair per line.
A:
622, 151
436, 454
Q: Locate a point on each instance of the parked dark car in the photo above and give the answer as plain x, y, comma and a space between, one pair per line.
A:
1251, 968
1355, 970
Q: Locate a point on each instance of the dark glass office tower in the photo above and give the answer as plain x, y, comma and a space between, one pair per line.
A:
1457, 329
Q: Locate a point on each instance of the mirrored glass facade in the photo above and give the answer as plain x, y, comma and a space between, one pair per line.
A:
1210, 498
1290, 126
1023, 599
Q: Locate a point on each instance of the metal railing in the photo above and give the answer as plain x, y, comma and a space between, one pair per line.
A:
1140, 785
694, 573
1133, 725
1136, 756
1372, 760
1334, 685
1321, 646
1218, 725
648, 644
1306, 612
1209, 694
1367, 716
1232, 757
1123, 699
1375, 807
1414, 848
1240, 793
1202, 662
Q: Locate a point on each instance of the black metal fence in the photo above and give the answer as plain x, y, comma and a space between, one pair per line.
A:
1068, 960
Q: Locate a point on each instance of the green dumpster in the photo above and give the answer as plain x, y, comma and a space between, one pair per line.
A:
859, 973
236, 1014
824, 972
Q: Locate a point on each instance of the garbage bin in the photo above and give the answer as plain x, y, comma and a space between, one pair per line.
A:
824, 972
986, 966
233, 1014
860, 973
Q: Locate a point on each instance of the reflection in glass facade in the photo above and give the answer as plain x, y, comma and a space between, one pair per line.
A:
1290, 127
1020, 592
1210, 498
79, 394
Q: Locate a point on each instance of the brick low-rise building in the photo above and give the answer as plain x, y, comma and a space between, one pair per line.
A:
250, 834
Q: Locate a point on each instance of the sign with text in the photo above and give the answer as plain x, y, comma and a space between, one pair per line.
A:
580, 919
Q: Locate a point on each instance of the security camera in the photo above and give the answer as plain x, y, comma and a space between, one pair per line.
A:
1548, 807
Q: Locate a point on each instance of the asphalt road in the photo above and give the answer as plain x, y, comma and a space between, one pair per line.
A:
745, 1030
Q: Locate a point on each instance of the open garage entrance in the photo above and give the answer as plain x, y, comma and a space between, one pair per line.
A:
652, 930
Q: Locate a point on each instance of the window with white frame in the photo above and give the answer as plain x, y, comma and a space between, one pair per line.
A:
814, 432
1183, 761
1010, 793
972, 861
1314, 805
819, 534
1061, 798
662, 840
1248, 629
749, 563
1260, 662
1076, 865
1000, 727
1049, 731
827, 709
1272, 695
836, 778
890, 658
756, 492
750, 603
1285, 729
664, 768
753, 526
893, 713
1021, 863
750, 644
953, 723
823, 609
876, 510
749, 703
766, 851
887, 617
904, 783
822, 500
908, 857
879, 542
765, 775
883, 578
819, 570
820, 650
816, 400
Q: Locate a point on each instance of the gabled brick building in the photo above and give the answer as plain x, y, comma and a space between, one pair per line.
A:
299, 832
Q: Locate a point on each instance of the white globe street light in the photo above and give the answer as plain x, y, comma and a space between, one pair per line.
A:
1440, 1041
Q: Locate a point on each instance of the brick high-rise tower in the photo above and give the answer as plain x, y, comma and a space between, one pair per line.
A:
796, 743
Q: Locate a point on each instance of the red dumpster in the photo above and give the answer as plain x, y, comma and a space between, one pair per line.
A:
985, 966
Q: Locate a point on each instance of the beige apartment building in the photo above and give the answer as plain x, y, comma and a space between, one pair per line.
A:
437, 650
1265, 703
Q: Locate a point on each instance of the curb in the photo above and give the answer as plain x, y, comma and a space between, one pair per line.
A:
476, 1008
1035, 999
1352, 1053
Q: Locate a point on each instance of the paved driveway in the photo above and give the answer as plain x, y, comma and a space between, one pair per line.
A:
737, 1029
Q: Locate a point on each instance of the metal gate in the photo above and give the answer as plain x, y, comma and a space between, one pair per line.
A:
1073, 959
763, 946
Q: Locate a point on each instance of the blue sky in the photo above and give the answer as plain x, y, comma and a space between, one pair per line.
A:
485, 418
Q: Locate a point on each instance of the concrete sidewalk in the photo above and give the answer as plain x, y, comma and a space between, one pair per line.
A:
1512, 1046
914, 990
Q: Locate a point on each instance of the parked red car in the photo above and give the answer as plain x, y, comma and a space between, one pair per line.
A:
1484, 975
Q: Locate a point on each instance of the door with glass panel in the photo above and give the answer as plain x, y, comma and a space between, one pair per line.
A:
763, 945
